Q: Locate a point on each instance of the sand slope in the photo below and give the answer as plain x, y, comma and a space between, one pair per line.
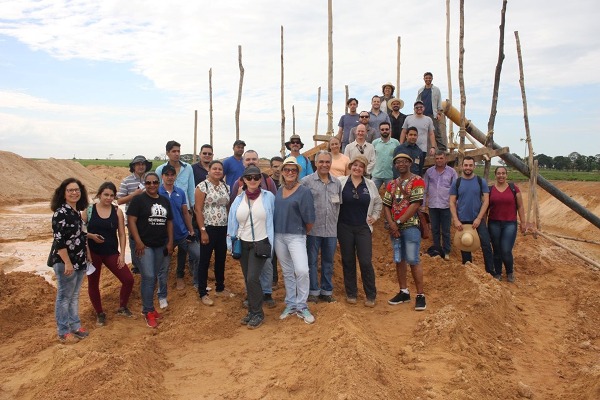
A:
478, 339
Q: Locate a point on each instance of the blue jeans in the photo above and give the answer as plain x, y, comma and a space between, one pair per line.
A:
134, 259
291, 252
266, 276
152, 262
486, 248
503, 235
380, 181
66, 308
406, 247
440, 222
327, 246
187, 248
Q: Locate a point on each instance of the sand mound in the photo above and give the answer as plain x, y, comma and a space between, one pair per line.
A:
478, 339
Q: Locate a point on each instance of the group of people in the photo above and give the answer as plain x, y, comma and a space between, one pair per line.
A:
293, 216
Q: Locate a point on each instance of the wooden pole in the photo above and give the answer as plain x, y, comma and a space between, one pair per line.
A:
461, 84
398, 68
210, 110
282, 151
493, 111
239, 100
293, 120
451, 143
559, 244
524, 96
346, 101
317, 115
330, 69
195, 137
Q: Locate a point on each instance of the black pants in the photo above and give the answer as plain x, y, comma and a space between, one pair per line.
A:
357, 241
217, 242
252, 267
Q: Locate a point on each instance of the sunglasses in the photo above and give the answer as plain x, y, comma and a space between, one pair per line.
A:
295, 142
252, 177
207, 154
364, 116
355, 194
148, 183
290, 170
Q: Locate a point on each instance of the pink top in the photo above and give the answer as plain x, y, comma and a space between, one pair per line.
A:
338, 165
503, 205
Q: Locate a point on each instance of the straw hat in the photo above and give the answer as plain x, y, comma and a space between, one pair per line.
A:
291, 160
467, 239
294, 137
388, 84
394, 100
362, 159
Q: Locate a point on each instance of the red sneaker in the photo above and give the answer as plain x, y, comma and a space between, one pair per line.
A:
156, 314
151, 320
80, 333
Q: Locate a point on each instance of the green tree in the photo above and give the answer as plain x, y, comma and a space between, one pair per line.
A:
561, 163
544, 161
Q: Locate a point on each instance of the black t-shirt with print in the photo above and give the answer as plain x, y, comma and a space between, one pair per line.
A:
152, 216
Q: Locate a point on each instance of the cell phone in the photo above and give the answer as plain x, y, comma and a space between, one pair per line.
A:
192, 238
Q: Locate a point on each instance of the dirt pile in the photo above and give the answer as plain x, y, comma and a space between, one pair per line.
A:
478, 339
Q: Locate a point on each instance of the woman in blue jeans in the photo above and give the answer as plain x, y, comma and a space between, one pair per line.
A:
69, 256
149, 218
505, 203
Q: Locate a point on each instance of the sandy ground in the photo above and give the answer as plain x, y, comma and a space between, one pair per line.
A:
538, 338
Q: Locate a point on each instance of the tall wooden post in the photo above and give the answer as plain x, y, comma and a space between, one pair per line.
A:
239, 100
461, 84
490, 134
398, 68
195, 137
346, 101
282, 151
318, 109
293, 120
451, 142
210, 110
330, 69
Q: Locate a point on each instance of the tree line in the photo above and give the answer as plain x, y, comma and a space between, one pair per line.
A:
572, 162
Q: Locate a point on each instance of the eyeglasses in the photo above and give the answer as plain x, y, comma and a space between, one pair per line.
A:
290, 170
418, 107
384, 130
148, 183
76, 190
364, 116
252, 177
355, 194
207, 154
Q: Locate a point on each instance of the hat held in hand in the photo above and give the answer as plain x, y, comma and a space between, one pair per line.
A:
467, 239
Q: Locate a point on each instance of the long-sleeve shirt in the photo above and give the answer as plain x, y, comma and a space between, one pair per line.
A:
367, 150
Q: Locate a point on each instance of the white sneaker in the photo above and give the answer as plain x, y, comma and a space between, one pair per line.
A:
207, 301
162, 303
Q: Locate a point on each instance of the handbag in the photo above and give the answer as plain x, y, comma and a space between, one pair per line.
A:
262, 248
424, 225
236, 248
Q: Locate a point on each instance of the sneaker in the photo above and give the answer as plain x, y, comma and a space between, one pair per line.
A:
420, 303
151, 320
399, 298
498, 277
268, 300
101, 319
246, 319
287, 312
351, 300
163, 303
447, 257
510, 278
156, 314
327, 298
255, 321
208, 288
80, 333
180, 284
245, 303
124, 311
224, 293
68, 338
370, 303
207, 301
306, 315
313, 298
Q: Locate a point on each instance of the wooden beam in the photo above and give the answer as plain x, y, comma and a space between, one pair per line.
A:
315, 150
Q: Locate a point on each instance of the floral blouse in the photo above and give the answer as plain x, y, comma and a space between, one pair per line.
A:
215, 203
67, 228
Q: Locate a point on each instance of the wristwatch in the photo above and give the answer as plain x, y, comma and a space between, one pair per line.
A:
203, 228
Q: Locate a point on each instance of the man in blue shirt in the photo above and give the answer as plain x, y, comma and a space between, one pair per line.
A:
469, 199
184, 171
294, 145
184, 237
233, 167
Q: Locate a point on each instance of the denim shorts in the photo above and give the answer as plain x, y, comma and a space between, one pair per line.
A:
407, 246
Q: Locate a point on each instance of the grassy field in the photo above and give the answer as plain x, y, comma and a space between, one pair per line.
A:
513, 174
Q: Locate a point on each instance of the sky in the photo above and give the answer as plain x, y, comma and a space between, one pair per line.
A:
114, 79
